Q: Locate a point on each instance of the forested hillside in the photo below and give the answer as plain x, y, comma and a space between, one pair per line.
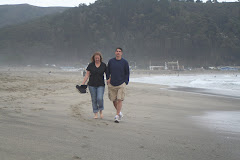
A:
196, 34
14, 14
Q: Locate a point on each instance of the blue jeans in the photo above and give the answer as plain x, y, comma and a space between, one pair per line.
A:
97, 98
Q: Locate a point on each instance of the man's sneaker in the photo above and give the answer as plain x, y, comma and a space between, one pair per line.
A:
116, 119
120, 116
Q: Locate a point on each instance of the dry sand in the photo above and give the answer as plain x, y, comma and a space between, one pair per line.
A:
43, 117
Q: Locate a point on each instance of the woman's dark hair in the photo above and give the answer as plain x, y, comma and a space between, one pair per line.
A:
96, 53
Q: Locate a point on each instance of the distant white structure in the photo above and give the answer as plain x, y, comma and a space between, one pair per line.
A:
165, 66
156, 67
168, 66
133, 65
173, 65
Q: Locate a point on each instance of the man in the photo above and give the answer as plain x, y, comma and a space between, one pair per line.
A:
117, 79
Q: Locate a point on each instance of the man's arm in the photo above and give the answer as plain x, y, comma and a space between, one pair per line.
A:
108, 73
126, 73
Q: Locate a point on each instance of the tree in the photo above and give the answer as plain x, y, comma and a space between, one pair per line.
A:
164, 31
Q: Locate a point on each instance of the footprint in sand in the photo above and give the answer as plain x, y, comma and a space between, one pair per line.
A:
105, 123
38, 109
85, 146
85, 137
76, 157
141, 147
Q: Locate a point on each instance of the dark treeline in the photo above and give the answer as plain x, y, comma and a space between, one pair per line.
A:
195, 34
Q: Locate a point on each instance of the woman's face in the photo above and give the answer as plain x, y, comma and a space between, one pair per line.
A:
97, 58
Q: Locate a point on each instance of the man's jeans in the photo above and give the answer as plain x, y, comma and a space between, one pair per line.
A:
97, 97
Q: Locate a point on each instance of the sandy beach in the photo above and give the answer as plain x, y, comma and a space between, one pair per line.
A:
43, 117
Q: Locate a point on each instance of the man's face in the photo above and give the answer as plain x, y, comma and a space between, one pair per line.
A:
118, 53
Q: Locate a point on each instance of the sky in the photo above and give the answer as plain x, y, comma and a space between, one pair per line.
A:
65, 3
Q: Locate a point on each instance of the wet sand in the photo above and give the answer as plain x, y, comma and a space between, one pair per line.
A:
203, 91
42, 116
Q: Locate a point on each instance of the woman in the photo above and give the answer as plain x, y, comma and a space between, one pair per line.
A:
95, 73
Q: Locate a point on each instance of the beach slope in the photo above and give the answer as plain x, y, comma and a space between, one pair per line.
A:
43, 116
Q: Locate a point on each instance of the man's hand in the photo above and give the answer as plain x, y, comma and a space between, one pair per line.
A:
108, 81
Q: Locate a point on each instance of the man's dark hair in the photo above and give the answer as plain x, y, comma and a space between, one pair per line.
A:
119, 48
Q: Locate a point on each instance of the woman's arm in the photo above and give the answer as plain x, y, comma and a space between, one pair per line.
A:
86, 77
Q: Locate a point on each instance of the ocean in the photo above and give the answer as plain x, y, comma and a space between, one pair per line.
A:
214, 84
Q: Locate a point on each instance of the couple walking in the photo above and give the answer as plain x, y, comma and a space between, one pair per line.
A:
117, 74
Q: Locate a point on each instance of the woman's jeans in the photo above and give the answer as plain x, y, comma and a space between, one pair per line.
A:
97, 97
